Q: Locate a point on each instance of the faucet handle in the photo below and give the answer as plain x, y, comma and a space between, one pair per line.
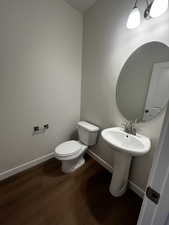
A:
133, 127
124, 123
136, 121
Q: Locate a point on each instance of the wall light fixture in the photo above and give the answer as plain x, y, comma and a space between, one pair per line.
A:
154, 8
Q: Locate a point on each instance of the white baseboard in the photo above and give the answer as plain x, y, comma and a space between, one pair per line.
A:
136, 189
44, 158
102, 162
25, 166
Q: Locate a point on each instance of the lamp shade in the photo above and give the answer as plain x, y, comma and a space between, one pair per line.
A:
134, 19
158, 8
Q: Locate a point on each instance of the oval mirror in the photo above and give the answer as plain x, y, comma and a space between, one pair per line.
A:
143, 86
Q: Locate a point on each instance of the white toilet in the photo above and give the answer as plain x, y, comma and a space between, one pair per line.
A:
71, 152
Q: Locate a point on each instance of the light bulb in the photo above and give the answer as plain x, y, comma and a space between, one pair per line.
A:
158, 8
134, 19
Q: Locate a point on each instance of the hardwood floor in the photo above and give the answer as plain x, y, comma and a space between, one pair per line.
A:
45, 196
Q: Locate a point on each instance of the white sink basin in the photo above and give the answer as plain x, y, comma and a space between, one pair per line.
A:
135, 145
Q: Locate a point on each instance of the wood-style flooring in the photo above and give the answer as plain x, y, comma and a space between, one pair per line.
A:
44, 195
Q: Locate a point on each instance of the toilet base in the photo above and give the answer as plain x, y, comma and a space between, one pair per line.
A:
69, 166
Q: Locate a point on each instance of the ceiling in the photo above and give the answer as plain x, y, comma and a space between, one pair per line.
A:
81, 5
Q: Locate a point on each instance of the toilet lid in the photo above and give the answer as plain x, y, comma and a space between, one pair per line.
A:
68, 148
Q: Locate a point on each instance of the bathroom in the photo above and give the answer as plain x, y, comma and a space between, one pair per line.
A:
66, 63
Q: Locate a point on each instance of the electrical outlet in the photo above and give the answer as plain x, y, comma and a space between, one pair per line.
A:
46, 126
36, 129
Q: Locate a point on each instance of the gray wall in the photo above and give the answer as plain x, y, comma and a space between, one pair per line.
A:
107, 45
40, 77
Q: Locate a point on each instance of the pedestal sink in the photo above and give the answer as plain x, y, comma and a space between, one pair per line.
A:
127, 145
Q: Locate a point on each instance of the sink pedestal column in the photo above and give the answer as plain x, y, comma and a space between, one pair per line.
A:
120, 174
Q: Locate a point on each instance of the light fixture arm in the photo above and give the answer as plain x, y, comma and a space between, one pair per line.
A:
135, 5
147, 10
147, 1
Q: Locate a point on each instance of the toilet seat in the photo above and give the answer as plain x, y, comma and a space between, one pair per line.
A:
68, 148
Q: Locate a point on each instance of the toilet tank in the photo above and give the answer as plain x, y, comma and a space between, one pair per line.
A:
87, 133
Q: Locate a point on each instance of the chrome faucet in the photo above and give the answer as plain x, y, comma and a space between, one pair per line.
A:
129, 127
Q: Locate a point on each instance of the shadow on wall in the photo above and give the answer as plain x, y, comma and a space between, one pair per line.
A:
167, 221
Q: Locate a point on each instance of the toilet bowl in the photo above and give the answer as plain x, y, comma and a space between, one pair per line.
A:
71, 153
